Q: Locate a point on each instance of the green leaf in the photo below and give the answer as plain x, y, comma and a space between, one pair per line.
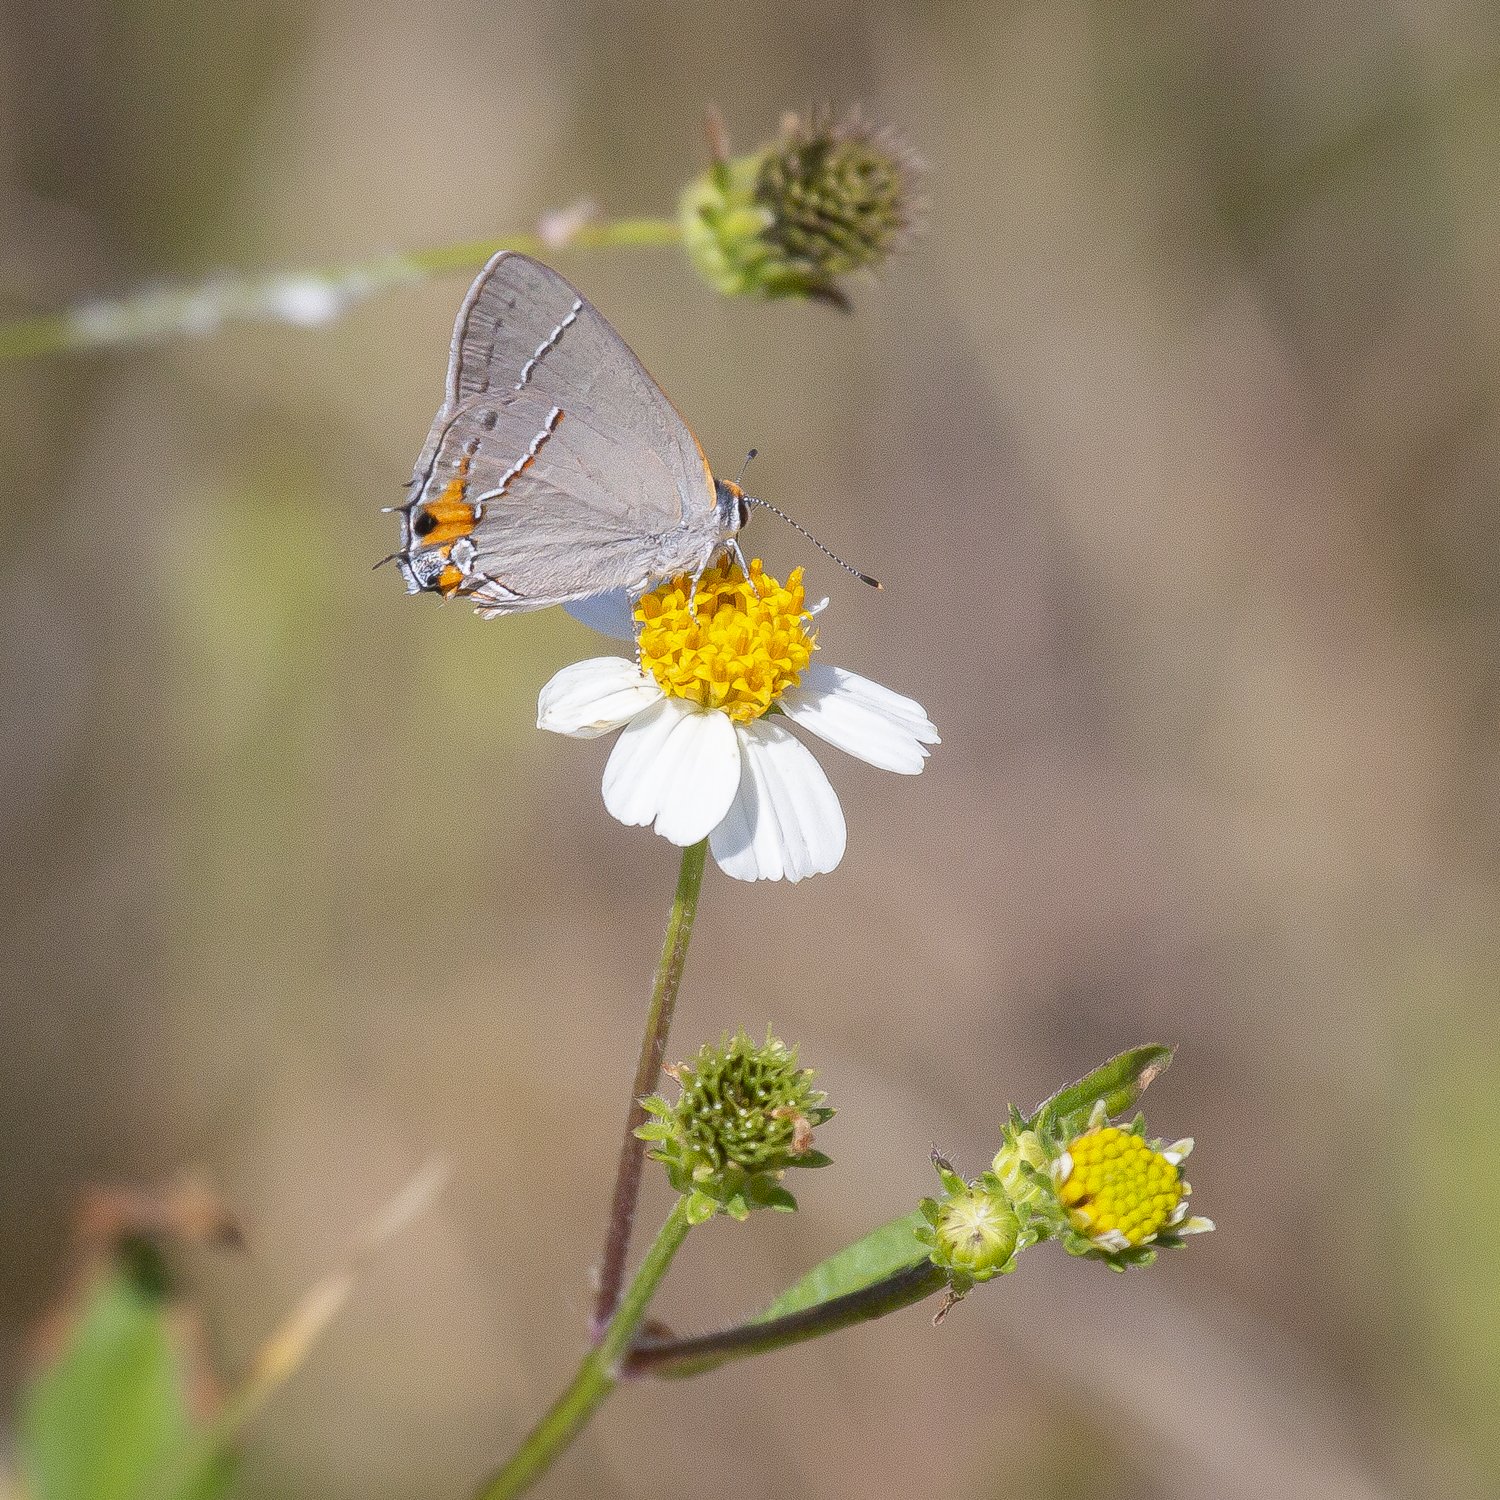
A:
1119, 1083
777, 1198
881, 1253
110, 1418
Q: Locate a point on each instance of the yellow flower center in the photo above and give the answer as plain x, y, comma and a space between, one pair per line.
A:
1118, 1183
742, 644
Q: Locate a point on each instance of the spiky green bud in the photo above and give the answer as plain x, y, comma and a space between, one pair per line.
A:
744, 1113
825, 199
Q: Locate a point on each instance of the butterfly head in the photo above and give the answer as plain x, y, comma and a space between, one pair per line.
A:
733, 507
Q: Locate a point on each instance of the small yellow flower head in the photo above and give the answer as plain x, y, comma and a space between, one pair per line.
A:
736, 644
1118, 1191
827, 198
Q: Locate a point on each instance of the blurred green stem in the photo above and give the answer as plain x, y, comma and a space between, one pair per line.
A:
648, 1070
598, 1374
693, 1356
298, 298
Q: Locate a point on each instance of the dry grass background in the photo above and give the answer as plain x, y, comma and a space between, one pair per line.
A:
1176, 443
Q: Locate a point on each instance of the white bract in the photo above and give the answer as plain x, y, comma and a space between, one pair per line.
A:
706, 751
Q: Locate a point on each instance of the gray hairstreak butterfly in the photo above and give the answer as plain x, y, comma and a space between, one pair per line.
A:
556, 468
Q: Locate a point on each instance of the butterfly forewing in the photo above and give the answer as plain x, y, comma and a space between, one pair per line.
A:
557, 467
525, 330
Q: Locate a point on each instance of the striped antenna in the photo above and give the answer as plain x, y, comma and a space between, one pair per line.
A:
874, 583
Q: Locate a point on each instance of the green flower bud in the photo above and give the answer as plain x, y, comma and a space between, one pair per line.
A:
823, 200
745, 1112
1021, 1165
973, 1232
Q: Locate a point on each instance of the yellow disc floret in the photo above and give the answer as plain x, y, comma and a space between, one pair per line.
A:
736, 644
1119, 1191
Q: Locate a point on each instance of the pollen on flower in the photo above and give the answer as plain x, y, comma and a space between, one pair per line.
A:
1118, 1188
737, 644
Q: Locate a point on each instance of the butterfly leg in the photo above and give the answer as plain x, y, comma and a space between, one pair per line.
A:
739, 556
693, 592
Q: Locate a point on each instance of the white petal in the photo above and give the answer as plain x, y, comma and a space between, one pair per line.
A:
611, 614
592, 697
674, 766
786, 822
861, 717
704, 778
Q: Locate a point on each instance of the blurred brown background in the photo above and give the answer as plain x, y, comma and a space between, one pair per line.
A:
1176, 443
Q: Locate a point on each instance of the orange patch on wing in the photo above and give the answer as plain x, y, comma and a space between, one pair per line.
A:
450, 580
448, 517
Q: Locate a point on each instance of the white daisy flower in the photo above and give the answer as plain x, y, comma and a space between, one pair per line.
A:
706, 751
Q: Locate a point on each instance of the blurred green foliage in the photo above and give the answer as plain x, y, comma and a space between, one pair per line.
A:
112, 1416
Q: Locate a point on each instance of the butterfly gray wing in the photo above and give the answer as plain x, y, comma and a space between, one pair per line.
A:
523, 330
526, 504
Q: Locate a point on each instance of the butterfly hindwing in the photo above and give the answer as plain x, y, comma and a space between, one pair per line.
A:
533, 505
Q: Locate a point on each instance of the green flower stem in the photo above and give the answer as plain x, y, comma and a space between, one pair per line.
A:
615, 234
297, 298
598, 1374
692, 1356
648, 1070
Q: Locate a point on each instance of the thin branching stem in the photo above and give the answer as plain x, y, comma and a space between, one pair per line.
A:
648, 1070
308, 298
597, 1376
693, 1356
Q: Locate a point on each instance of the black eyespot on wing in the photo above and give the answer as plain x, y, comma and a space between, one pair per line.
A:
425, 523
